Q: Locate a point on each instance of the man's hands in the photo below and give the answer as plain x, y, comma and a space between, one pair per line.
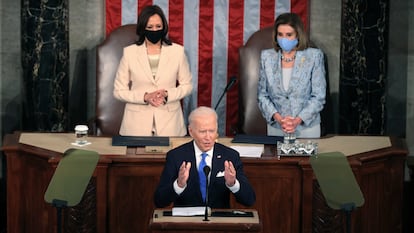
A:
229, 173
183, 174
156, 98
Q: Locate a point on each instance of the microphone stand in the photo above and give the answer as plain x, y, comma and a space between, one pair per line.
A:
206, 170
206, 208
226, 89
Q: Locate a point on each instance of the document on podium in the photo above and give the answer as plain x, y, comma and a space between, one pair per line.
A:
190, 211
140, 141
200, 211
257, 139
251, 151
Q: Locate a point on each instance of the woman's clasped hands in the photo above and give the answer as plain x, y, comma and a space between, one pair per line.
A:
156, 98
289, 123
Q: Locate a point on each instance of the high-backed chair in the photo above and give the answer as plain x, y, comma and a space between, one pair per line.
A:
251, 120
109, 111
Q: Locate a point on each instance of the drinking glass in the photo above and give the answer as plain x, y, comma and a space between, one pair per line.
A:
289, 138
81, 134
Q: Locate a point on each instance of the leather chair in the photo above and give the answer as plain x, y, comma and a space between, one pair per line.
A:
109, 111
251, 121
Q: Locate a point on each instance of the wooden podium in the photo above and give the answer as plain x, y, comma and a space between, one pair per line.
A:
288, 197
162, 221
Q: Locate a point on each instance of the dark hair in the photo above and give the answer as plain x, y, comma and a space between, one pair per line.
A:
296, 23
142, 21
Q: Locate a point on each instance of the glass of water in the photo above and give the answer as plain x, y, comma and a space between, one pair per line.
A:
289, 138
81, 134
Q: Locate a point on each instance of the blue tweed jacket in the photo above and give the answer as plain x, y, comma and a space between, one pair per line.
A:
305, 96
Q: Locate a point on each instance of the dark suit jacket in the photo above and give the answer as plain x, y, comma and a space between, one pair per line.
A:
218, 193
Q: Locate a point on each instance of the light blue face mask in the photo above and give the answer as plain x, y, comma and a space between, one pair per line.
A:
286, 44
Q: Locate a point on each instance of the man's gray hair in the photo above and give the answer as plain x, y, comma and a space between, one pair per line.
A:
201, 111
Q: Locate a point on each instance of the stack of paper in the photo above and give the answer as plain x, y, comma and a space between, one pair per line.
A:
190, 211
251, 151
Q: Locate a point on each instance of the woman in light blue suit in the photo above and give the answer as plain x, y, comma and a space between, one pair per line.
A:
292, 86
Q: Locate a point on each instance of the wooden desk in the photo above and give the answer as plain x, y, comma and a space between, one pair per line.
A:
174, 224
119, 197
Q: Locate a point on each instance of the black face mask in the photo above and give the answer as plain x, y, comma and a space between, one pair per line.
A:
154, 36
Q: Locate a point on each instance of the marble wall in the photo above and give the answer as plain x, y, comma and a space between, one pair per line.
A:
45, 62
363, 79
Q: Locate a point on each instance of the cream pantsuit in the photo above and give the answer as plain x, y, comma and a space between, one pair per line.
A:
134, 79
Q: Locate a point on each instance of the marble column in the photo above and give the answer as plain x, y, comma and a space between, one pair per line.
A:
363, 74
45, 62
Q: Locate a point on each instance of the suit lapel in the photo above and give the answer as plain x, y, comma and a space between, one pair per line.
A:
164, 60
142, 59
276, 73
296, 75
191, 158
217, 164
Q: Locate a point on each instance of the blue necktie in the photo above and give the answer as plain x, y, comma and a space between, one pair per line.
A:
202, 176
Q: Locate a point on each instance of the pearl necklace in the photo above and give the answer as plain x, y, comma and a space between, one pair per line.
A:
288, 59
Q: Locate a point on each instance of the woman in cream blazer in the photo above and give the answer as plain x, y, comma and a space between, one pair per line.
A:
152, 78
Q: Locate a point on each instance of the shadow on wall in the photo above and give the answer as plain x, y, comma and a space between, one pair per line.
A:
11, 116
327, 114
78, 100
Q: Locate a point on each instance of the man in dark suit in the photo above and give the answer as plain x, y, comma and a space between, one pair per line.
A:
180, 183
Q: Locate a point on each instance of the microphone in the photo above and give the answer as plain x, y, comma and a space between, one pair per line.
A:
206, 170
226, 89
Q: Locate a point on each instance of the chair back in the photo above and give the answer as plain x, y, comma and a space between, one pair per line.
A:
251, 120
109, 111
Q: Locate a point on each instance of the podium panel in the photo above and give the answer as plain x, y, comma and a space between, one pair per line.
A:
161, 222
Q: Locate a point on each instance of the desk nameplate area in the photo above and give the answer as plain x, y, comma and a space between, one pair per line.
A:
140, 141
